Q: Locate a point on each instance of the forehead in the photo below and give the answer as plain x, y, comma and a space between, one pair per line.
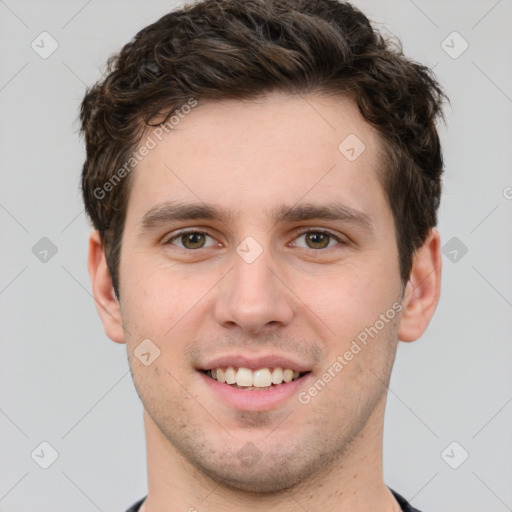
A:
255, 154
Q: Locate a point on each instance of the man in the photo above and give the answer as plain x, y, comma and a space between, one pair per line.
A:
263, 178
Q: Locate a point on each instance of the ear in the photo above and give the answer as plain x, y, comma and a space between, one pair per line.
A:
105, 298
423, 289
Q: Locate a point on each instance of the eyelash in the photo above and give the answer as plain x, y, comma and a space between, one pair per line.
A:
322, 232
180, 233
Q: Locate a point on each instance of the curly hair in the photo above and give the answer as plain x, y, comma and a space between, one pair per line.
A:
242, 49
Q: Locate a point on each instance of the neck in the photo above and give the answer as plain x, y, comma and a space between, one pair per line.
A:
354, 482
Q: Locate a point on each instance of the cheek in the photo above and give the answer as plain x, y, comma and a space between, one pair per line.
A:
155, 295
346, 301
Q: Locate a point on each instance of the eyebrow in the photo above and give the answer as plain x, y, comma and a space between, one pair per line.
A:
171, 211
329, 211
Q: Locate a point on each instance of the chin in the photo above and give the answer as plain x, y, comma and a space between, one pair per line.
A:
270, 474
263, 481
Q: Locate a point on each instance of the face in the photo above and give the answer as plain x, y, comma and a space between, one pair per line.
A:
254, 240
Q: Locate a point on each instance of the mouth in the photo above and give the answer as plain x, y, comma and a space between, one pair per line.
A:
261, 379
254, 382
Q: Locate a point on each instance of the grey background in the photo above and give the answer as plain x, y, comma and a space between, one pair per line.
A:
64, 382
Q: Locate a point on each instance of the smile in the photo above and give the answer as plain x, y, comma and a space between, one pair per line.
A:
253, 380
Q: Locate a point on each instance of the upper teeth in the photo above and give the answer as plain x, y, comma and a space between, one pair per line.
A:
261, 378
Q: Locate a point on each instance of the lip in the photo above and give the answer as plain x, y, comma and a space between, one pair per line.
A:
263, 400
255, 363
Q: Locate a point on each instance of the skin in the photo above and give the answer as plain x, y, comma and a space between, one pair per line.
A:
311, 303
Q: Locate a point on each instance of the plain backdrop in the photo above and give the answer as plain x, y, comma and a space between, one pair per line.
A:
448, 430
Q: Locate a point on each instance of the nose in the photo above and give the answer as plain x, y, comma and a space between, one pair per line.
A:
253, 298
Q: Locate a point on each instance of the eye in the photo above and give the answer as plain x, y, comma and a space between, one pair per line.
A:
317, 240
192, 240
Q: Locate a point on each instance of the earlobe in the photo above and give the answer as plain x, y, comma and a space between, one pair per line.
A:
104, 296
423, 289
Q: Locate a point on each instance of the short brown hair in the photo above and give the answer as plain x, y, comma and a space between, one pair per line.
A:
242, 49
